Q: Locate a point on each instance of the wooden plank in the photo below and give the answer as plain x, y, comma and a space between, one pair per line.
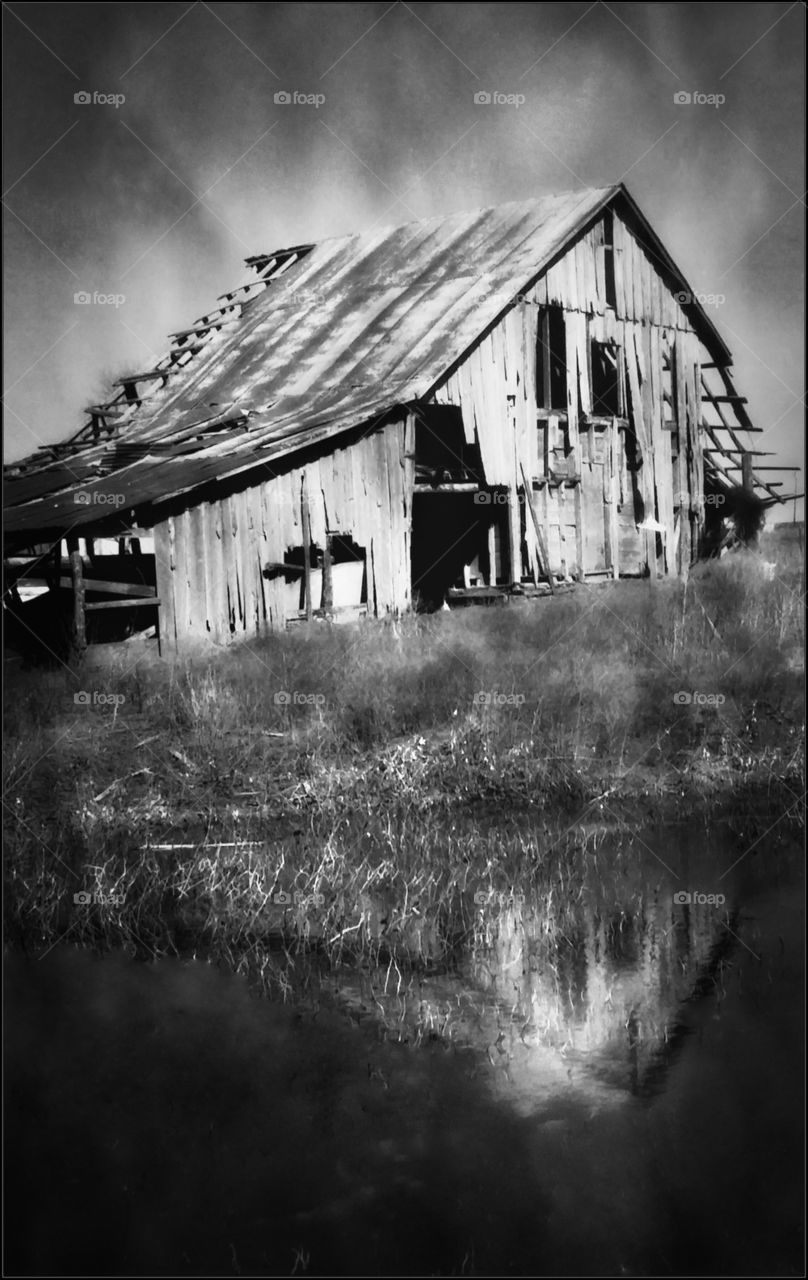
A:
215, 578
228, 570
563, 551
555, 284
376, 468
238, 515
618, 254
306, 523
178, 559
165, 583
642, 335
637, 281
544, 566
646, 477
248, 501
571, 299
592, 298
238, 582
598, 266
197, 571
123, 604
405, 480
514, 532
276, 549
663, 466
492, 555
692, 406
610, 497
262, 552
581, 325
138, 589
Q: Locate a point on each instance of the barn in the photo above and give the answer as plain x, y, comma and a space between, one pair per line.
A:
458, 409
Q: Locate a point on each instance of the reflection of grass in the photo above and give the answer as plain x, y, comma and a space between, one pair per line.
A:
391, 898
359, 791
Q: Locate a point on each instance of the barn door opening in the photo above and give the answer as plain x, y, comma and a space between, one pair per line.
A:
459, 546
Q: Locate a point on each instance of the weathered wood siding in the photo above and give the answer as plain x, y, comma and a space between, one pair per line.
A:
593, 480
592, 525
210, 558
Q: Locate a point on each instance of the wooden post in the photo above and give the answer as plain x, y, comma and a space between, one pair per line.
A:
492, 555
306, 519
746, 473
79, 630
328, 581
515, 532
514, 514
579, 508
748, 481
612, 514
545, 565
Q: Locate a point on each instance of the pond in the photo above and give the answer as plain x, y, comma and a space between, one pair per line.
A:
610, 1085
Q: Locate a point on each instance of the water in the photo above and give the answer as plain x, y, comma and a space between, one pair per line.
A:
617, 1091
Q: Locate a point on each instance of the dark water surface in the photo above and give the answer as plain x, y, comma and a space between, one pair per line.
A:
610, 1088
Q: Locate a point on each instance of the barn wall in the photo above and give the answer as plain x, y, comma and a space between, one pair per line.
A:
588, 504
210, 557
593, 524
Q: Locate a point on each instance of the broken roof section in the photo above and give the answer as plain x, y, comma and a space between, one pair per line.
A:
328, 337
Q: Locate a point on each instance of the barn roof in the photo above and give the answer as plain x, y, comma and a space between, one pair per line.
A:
326, 337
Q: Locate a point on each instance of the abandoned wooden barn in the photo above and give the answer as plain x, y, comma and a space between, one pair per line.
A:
458, 408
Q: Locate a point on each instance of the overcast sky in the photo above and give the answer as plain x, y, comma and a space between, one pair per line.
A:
183, 164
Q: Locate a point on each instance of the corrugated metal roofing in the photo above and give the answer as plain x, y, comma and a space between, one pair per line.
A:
357, 325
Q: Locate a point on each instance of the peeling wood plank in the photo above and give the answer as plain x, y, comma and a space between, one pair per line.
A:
165, 582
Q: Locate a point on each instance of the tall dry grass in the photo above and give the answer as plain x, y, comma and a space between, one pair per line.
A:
345, 756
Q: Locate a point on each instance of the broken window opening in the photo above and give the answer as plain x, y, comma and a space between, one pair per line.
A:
607, 399
551, 360
442, 453
338, 573
345, 562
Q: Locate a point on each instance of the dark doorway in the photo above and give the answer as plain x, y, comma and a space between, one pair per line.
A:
451, 546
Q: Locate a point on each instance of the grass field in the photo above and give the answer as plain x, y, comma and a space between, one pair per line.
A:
376, 766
